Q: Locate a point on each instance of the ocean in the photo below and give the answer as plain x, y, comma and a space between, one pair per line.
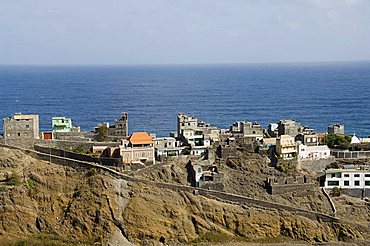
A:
314, 94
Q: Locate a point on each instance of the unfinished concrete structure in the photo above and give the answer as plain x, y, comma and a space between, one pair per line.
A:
21, 127
336, 129
289, 127
247, 129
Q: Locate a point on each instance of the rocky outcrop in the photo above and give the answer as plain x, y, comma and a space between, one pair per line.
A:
154, 214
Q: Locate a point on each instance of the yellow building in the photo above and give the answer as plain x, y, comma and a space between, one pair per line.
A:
286, 147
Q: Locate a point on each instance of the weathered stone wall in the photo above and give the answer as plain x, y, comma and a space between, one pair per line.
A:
300, 185
63, 144
227, 151
116, 162
360, 193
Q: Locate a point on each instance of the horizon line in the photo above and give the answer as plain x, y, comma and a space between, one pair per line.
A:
188, 64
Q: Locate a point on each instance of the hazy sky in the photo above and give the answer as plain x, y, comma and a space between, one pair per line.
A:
182, 31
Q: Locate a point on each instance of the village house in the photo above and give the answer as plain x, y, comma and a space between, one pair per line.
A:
167, 146
286, 147
21, 127
63, 124
199, 136
206, 177
247, 130
316, 152
139, 147
289, 127
307, 139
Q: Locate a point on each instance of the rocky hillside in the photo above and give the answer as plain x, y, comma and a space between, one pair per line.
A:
48, 204
244, 176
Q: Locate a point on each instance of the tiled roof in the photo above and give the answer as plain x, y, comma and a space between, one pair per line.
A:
140, 138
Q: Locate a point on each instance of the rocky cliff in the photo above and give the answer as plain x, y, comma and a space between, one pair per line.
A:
47, 204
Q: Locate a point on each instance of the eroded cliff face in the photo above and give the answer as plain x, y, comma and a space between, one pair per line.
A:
79, 205
154, 214
41, 198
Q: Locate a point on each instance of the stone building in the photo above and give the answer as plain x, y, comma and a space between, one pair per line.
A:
120, 128
289, 127
336, 129
286, 147
21, 127
139, 147
247, 129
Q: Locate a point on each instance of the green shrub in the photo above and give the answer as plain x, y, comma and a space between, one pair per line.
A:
338, 141
286, 166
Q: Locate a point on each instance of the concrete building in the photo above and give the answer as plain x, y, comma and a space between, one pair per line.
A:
348, 178
199, 136
313, 152
286, 147
273, 130
336, 129
61, 124
307, 139
247, 129
289, 127
184, 122
168, 146
21, 127
139, 147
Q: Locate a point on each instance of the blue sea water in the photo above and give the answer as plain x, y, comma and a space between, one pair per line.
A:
315, 94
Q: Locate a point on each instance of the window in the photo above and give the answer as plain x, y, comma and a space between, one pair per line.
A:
367, 175
27, 126
346, 183
333, 183
333, 175
357, 182
18, 134
357, 175
346, 175
367, 183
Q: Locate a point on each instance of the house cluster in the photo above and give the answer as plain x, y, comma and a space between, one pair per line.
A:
287, 139
294, 140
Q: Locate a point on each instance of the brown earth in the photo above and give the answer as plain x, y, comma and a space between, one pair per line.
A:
48, 204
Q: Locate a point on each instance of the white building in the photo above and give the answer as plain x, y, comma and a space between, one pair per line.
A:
313, 152
353, 178
167, 146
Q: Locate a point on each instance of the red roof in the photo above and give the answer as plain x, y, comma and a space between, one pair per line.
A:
140, 138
